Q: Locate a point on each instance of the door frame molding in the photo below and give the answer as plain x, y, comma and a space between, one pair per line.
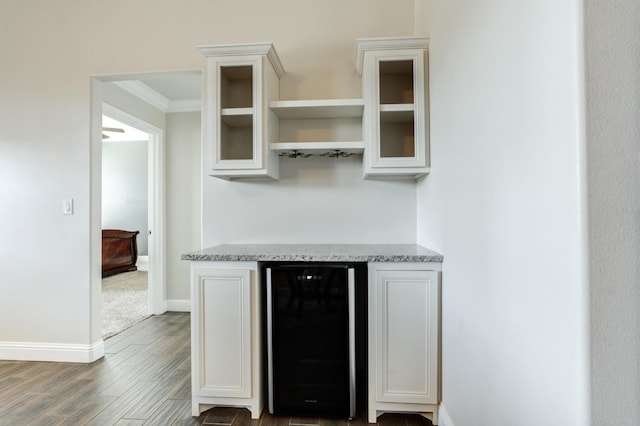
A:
157, 272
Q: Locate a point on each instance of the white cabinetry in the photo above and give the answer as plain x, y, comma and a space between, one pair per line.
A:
241, 81
247, 127
404, 300
395, 118
226, 360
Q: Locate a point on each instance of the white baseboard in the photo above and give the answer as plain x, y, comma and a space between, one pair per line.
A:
54, 352
443, 416
178, 305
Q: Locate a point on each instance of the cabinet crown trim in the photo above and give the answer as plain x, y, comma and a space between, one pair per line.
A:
265, 48
386, 43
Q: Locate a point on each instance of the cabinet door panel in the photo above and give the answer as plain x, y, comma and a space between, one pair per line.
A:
225, 333
406, 331
234, 119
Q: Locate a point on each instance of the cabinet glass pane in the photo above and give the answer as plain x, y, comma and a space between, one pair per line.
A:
396, 109
236, 120
396, 139
396, 82
236, 86
236, 143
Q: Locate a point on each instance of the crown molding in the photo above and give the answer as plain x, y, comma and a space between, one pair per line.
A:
144, 92
267, 49
397, 43
155, 99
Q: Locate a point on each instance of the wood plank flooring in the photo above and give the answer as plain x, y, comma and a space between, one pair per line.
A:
143, 379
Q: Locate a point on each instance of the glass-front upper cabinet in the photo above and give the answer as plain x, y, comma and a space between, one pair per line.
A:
396, 116
241, 81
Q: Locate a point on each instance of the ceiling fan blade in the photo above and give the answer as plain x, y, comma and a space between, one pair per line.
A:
112, 129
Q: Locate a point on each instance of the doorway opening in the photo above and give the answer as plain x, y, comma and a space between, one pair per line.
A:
152, 240
127, 181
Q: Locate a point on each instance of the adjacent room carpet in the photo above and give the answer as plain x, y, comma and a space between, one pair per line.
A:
124, 301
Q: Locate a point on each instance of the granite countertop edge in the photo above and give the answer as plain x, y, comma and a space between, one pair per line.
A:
315, 253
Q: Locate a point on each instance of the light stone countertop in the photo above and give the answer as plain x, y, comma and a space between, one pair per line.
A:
315, 253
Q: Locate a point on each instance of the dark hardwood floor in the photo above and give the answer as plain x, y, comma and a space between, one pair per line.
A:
144, 378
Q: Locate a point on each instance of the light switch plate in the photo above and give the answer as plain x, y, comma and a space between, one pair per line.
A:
67, 206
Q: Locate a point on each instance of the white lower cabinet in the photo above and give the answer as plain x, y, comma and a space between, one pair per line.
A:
403, 337
226, 367
404, 302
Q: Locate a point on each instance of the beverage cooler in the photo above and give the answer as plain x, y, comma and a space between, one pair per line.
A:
314, 337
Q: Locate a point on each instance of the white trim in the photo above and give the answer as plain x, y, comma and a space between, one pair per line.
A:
443, 416
157, 229
178, 305
583, 361
54, 352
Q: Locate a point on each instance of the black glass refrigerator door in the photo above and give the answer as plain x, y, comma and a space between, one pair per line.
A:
310, 340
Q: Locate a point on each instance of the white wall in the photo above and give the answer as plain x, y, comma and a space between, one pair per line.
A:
613, 132
316, 200
45, 153
504, 205
125, 188
183, 219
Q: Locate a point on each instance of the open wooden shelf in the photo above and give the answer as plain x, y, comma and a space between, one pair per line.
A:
351, 147
322, 108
